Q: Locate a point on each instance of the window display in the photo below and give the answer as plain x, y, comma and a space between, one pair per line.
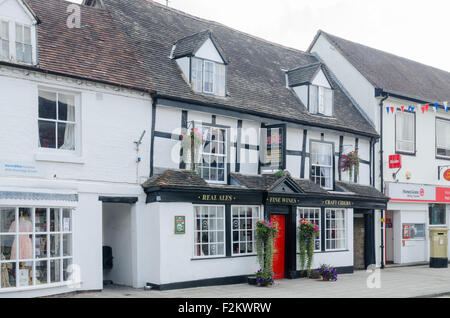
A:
35, 246
209, 231
243, 227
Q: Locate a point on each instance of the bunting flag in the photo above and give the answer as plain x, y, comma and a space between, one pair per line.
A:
387, 109
446, 106
422, 107
437, 107
392, 109
403, 108
427, 106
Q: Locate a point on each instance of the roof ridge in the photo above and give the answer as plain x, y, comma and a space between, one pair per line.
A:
379, 50
226, 26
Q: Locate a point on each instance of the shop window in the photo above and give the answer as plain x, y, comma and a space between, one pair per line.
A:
335, 230
244, 220
320, 100
57, 121
405, 132
209, 231
35, 246
213, 158
413, 231
321, 161
443, 138
312, 215
437, 213
273, 148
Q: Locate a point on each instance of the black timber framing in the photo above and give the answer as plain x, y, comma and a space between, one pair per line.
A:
127, 200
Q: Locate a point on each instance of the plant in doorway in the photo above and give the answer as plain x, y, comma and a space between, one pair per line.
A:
265, 234
307, 232
328, 272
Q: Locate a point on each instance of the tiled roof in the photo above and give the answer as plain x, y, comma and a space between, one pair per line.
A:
256, 81
303, 75
98, 50
361, 190
184, 178
395, 74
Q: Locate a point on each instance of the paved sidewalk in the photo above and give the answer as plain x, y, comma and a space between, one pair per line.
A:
415, 281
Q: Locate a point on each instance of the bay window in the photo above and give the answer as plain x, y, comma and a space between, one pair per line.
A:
443, 138
35, 246
321, 161
208, 76
320, 100
213, 157
335, 229
4, 40
312, 215
244, 219
209, 231
405, 132
57, 120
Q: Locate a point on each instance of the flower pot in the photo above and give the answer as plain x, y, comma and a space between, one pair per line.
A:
326, 279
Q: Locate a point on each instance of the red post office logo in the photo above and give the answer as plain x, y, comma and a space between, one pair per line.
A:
422, 192
447, 175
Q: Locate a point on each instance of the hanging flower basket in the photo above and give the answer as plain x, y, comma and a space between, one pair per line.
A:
350, 163
307, 232
266, 232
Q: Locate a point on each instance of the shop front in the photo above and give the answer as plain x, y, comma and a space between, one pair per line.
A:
414, 209
207, 233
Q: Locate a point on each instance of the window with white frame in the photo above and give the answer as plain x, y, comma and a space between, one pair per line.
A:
244, 220
57, 120
312, 215
405, 132
443, 138
272, 148
35, 246
4, 40
209, 231
321, 158
320, 100
335, 230
207, 76
23, 44
213, 158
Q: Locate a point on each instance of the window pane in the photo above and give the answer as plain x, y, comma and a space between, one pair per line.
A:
25, 274
47, 105
67, 220
40, 220
8, 275
27, 35
41, 273
220, 80
67, 269
19, 33
6, 244
67, 244
27, 54
47, 134
40, 243
208, 77
55, 247
66, 107
437, 214
197, 74
405, 131
313, 99
328, 102
66, 136
55, 271
25, 247
55, 220
7, 220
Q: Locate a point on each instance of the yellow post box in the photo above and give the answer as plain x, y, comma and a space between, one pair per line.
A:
438, 247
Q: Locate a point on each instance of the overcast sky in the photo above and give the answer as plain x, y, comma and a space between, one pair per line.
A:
414, 29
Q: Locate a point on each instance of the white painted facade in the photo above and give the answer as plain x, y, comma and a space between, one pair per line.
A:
423, 166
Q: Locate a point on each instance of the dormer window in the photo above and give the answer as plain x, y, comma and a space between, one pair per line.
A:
4, 40
320, 100
202, 63
207, 76
313, 87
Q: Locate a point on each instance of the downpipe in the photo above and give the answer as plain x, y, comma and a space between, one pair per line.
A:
382, 175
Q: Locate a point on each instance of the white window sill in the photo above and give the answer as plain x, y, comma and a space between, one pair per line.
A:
38, 287
59, 158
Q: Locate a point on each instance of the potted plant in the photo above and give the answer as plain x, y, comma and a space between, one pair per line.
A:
350, 162
328, 273
266, 232
191, 143
307, 232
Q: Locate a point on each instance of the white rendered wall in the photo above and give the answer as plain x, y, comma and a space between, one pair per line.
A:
209, 52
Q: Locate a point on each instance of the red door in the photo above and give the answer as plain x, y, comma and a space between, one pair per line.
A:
279, 246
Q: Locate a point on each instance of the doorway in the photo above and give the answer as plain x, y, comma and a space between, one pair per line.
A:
363, 239
117, 244
358, 241
279, 246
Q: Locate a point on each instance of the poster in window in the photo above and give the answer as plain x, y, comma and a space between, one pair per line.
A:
406, 231
23, 277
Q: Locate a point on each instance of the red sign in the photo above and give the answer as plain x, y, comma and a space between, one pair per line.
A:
443, 195
405, 231
447, 175
395, 162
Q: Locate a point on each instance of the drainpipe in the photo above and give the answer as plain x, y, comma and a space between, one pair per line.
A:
386, 96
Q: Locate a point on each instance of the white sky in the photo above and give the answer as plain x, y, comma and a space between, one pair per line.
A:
414, 29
